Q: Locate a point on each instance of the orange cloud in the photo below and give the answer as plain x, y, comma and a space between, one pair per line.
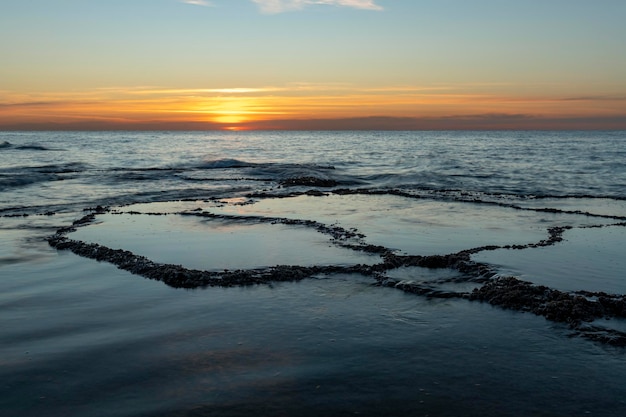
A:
293, 105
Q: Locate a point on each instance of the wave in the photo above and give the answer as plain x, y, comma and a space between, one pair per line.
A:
282, 170
29, 147
26, 175
70, 167
33, 148
277, 167
21, 180
225, 163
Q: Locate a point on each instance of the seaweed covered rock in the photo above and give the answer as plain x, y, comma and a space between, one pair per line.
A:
308, 181
514, 294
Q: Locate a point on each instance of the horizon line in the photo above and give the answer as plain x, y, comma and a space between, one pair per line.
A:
484, 122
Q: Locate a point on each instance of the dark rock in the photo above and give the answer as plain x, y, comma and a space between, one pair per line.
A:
308, 181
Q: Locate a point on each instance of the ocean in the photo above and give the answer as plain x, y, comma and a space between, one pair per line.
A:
305, 273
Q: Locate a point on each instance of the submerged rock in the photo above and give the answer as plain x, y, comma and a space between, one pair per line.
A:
309, 182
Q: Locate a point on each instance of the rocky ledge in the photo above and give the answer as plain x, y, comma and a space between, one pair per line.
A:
575, 309
578, 310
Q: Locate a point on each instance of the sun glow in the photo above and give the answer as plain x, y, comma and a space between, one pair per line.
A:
228, 117
285, 107
234, 128
233, 110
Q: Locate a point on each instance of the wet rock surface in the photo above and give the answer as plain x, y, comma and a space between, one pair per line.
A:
308, 181
576, 310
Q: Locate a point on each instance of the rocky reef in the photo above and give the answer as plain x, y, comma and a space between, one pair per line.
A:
577, 310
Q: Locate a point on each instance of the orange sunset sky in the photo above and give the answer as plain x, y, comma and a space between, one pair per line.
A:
312, 64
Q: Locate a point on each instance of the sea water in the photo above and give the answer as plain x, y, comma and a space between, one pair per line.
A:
83, 338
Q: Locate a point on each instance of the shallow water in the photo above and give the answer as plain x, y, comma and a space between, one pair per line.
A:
116, 345
588, 259
414, 226
216, 245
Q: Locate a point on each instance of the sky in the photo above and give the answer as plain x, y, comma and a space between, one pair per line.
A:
312, 64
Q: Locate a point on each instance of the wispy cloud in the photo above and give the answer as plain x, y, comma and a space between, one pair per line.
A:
596, 98
279, 6
197, 2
